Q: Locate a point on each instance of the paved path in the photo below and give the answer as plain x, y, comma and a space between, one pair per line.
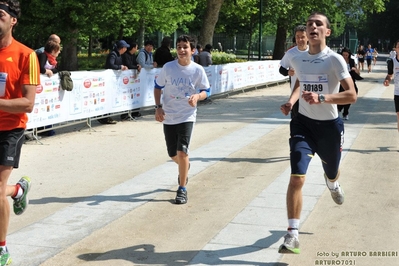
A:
105, 196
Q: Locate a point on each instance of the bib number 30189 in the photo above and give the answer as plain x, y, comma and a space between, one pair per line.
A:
313, 87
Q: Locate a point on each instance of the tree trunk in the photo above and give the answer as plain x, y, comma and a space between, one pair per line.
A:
209, 21
281, 37
141, 32
90, 48
69, 56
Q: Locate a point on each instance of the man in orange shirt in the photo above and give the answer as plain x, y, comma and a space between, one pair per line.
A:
19, 77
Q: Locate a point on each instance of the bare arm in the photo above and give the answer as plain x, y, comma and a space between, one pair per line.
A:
20, 105
159, 112
286, 108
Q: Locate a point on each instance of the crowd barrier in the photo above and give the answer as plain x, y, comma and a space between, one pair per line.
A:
101, 92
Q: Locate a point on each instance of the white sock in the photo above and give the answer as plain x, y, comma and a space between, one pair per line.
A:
332, 185
293, 227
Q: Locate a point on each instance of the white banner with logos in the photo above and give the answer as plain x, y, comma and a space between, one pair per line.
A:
107, 91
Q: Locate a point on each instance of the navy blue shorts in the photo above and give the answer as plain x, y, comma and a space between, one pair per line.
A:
310, 136
178, 137
10, 146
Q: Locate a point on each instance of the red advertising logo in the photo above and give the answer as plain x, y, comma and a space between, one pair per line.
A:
87, 83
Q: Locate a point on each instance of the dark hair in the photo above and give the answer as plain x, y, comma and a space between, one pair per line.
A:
187, 38
14, 7
166, 41
149, 42
396, 43
51, 46
300, 28
321, 14
199, 46
208, 47
347, 50
132, 45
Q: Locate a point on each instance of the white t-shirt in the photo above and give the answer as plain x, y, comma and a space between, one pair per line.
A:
320, 73
179, 83
396, 75
286, 61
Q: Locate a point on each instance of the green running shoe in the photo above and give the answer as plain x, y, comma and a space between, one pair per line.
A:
290, 245
21, 203
5, 258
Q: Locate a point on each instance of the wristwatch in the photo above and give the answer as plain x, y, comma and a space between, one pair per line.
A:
158, 106
322, 99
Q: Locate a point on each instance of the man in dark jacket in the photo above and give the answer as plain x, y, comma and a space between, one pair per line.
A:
129, 60
162, 54
114, 61
129, 57
114, 58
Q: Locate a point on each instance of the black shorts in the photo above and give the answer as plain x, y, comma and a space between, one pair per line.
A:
310, 136
396, 100
10, 146
361, 60
178, 137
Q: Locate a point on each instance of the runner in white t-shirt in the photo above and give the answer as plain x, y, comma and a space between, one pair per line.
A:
183, 83
286, 65
393, 72
317, 128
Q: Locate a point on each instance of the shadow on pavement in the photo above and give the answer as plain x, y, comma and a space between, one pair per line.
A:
146, 254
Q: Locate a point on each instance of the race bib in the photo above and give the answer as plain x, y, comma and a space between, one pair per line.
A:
396, 79
3, 81
314, 83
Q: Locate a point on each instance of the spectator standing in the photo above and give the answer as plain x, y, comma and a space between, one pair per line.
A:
183, 83
198, 50
162, 54
129, 60
361, 54
286, 68
393, 65
205, 57
48, 66
114, 61
19, 79
316, 128
48, 59
52, 37
145, 58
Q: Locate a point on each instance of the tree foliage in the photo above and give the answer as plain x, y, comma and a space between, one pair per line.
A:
79, 22
72, 19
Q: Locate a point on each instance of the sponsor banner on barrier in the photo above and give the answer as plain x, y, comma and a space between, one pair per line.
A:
108, 91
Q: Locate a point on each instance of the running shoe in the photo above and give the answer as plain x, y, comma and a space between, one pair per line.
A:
337, 194
290, 245
21, 203
346, 117
181, 196
5, 258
